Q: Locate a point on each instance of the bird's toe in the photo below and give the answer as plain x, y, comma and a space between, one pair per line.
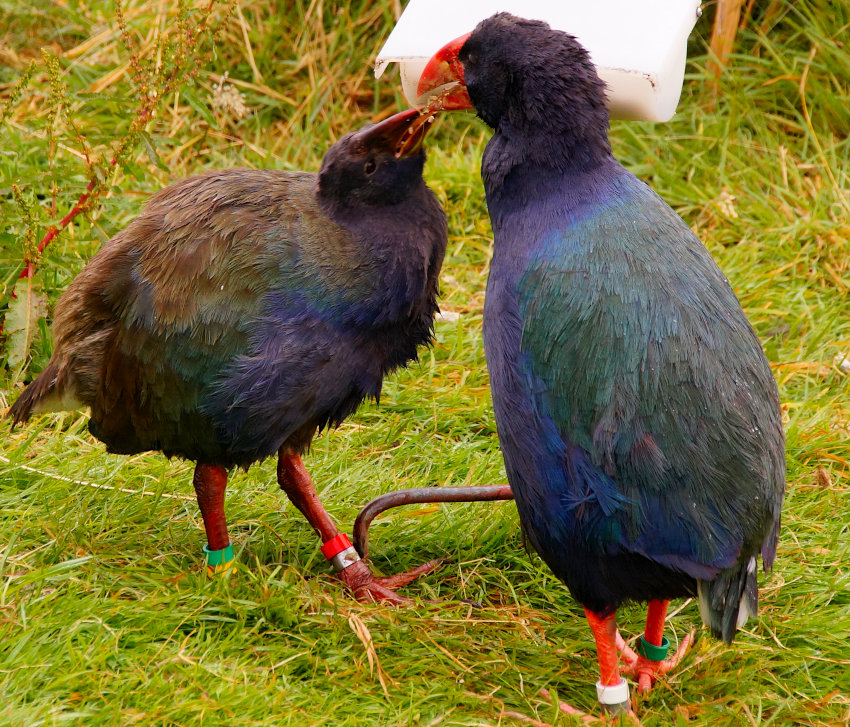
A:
402, 579
646, 671
367, 588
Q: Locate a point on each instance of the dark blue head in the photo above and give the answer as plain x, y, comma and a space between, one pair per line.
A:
377, 166
529, 82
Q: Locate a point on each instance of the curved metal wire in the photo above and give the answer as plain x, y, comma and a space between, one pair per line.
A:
483, 493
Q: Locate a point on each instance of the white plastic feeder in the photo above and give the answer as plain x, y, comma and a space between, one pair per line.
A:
639, 46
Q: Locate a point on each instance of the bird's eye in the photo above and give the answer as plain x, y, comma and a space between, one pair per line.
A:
471, 58
369, 167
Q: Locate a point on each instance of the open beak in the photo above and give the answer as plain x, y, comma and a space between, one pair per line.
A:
441, 85
401, 133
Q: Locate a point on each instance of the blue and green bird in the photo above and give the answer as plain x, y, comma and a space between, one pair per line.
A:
637, 413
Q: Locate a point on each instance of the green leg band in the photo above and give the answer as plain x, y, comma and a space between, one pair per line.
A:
218, 561
651, 651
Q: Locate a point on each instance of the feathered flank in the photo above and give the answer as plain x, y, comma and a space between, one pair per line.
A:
647, 386
242, 311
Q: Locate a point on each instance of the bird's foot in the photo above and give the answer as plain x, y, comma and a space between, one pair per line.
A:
368, 588
605, 719
646, 671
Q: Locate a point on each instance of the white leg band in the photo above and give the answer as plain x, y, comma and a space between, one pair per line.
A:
612, 694
345, 558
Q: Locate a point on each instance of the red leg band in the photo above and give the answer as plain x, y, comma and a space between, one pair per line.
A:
335, 545
340, 552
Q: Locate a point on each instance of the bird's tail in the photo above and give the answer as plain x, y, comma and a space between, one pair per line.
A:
35, 396
726, 602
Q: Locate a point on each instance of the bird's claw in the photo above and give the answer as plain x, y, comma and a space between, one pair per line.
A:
368, 588
646, 671
584, 718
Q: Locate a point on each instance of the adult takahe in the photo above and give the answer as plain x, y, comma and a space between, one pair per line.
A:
637, 413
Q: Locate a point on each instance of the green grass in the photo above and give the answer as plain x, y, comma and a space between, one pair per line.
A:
105, 618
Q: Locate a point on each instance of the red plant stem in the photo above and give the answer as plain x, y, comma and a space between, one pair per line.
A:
29, 266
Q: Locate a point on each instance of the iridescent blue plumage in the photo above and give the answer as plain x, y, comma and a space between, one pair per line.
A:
637, 413
633, 402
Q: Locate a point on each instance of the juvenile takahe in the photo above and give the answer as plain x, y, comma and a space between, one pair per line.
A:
245, 310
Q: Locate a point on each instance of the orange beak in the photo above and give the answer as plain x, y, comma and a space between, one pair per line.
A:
441, 86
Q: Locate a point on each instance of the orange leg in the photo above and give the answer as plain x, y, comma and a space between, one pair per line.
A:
656, 615
612, 689
649, 662
296, 482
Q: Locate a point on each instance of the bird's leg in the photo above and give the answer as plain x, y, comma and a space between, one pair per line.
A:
649, 661
611, 689
210, 482
295, 481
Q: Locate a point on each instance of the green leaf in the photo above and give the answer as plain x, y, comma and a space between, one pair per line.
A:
22, 316
199, 106
136, 170
147, 142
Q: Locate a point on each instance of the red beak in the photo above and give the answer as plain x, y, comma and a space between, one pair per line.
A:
441, 83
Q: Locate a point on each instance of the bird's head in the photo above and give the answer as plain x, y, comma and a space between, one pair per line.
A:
378, 165
520, 73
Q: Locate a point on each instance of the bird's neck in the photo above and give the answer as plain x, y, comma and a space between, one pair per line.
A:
523, 184
403, 247
539, 151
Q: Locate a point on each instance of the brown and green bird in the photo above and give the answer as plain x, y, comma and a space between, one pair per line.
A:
245, 310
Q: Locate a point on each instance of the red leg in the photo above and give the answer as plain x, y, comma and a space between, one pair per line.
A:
210, 482
611, 689
605, 631
656, 615
646, 669
295, 481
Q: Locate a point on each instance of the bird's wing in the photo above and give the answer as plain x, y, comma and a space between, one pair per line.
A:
640, 354
193, 278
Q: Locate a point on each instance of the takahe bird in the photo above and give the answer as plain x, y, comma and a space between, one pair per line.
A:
245, 310
637, 413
